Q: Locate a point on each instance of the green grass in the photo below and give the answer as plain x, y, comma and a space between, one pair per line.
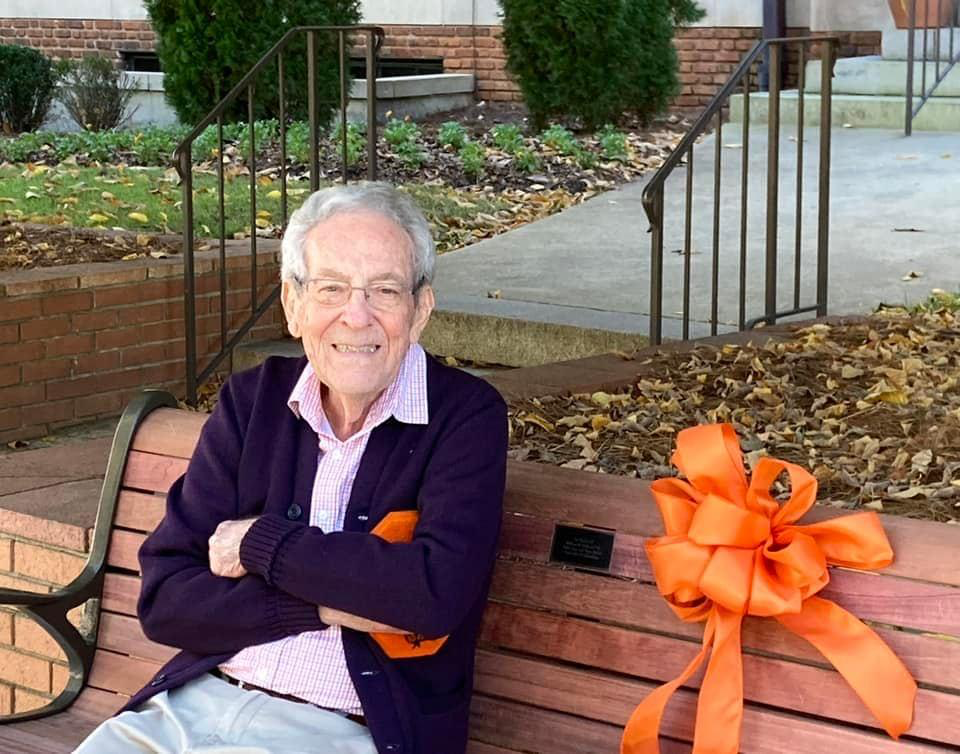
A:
149, 200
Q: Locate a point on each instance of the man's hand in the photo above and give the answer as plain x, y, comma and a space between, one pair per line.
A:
224, 548
339, 618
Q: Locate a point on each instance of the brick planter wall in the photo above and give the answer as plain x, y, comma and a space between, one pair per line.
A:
77, 341
74, 38
36, 555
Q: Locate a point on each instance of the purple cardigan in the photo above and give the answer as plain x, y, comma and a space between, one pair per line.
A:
255, 458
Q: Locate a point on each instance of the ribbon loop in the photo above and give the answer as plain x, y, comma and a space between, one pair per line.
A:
732, 550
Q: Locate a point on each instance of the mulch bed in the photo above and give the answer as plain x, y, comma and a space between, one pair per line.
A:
872, 409
25, 246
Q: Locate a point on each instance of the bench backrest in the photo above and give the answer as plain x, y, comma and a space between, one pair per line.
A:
567, 653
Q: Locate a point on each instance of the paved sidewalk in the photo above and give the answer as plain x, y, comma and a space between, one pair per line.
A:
589, 265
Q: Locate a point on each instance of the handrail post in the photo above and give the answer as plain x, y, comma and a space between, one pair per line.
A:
344, 101
908, 111
189, 292
656, 268
823, 208
371, 107
312, 109
773, 183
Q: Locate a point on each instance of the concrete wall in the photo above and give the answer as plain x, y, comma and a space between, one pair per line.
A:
818, 15
122, 10
428, 12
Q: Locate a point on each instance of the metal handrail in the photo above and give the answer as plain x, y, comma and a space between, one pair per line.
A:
183, 161
712, 116
953, 57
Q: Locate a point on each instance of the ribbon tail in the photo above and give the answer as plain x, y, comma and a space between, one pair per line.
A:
641, 734
871, 668
720, 704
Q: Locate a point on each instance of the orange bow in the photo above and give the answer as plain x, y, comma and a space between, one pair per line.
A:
732, 550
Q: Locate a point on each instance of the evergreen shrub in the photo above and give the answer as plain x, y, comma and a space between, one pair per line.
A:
206, 46
591, 60
27, 81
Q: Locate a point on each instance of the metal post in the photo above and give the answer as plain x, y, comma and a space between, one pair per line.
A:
773, 184
823, 219
312, 109
253, 204
656, 270
189, 294
344, 100
283, 138
774, 27
908, 114
371, 107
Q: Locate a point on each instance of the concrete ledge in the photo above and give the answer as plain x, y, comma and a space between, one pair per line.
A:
397, 87
893, 43
938, 114
872, 75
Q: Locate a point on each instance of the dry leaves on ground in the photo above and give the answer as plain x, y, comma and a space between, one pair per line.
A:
872, 409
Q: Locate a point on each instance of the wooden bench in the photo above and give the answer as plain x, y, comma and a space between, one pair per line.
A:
566, 653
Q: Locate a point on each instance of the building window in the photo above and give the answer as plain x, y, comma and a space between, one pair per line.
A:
397, 67
139, 60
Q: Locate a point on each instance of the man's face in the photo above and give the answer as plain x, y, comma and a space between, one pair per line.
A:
355, 349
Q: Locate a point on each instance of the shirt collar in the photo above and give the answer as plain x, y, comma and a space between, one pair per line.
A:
405, 398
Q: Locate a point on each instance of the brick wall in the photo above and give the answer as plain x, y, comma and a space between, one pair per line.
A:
76, 342
74, 38
707, 56
36, 555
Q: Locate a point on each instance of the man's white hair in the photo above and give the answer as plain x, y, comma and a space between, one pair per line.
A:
381, 198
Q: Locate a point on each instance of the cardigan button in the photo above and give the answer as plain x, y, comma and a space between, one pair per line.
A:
294, 512
158, 680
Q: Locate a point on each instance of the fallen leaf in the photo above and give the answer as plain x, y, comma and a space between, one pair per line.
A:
138, 217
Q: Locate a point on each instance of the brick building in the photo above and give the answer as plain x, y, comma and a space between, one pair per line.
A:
454, 36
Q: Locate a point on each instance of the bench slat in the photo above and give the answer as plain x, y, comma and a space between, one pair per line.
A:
476, 747
609, 698
770, 681
124, 546
120, 592
152, 473
120, 673
640, 606
139, 511
894, 601
170, 432
625, 504
122, 634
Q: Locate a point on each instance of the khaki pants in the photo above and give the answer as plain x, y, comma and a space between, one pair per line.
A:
211, 716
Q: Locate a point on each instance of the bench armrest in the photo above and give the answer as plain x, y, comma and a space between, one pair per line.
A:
15, 597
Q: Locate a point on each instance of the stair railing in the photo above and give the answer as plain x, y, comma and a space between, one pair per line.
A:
943, 11
741, 80
183, 160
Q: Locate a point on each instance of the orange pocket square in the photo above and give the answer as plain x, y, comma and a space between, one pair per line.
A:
398, 526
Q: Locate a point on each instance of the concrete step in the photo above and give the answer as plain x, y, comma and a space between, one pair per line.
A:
893, 43
872, 75
859, 111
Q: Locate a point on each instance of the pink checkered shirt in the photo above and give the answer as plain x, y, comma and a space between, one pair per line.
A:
312, 665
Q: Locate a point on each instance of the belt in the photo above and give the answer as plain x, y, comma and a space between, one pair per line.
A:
287, 697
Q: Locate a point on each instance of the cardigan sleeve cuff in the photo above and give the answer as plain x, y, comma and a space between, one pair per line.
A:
295, 616
258, 548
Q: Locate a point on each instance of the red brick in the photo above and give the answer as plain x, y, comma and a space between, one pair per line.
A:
21, 395
103, 361
42, 285
45, 328
169, 330
118, 338
17, 310
60, 676
9, 418
9, 375
45, 564
6, 628
24, 701
67, 302
9, 333
29, 636
105, 403
6, 699
88, 321
69, 344
140, 314
113, 275
25, 670
94, 383
153, 290
151, 354
48, 369
49, 411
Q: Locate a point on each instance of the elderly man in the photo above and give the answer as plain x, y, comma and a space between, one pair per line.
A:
266, 571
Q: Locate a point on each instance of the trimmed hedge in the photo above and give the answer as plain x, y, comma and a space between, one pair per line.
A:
591, 60
27, 81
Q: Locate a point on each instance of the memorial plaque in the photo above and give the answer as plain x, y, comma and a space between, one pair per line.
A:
582, 546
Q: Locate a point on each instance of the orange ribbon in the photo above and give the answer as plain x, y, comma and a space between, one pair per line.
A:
731, 550
398, 526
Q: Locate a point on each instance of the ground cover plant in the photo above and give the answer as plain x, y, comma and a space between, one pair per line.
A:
480, 176
871, 407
